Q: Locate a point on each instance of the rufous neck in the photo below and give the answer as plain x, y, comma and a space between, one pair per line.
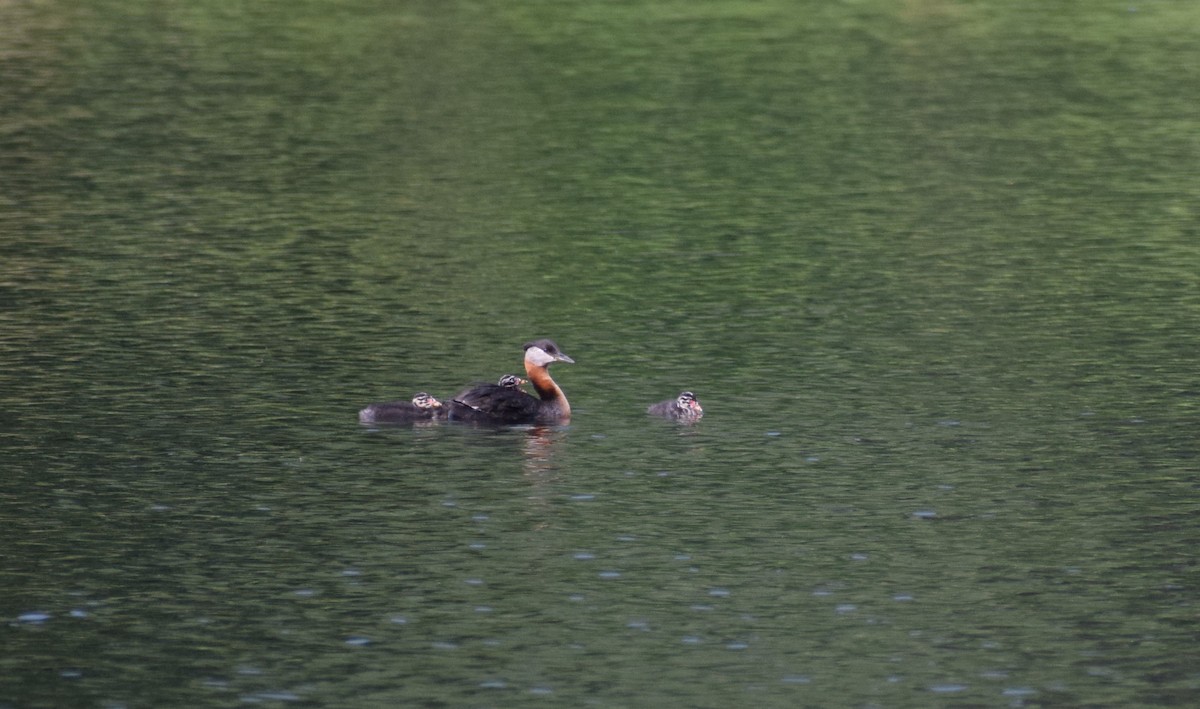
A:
547, 389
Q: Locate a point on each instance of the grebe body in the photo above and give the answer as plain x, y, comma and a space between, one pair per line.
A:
684, 407
508, 404
422, 407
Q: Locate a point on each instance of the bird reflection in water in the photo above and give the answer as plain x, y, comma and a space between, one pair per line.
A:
539, 450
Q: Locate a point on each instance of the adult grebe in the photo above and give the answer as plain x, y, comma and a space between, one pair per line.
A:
684, 407
499, 404
422, 406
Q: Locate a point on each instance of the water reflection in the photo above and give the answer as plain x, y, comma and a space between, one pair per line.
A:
537, 447
541, 448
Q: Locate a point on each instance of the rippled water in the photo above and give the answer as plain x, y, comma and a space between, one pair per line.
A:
930, 268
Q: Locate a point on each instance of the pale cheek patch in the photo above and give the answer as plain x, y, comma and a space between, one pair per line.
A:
538, 356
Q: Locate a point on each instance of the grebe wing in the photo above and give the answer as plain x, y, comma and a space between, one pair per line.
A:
492, 402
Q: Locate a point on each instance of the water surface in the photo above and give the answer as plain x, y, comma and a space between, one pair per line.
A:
930, 267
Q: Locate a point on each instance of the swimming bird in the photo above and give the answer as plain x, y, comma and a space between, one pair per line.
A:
500, 404
423, 406
684, 407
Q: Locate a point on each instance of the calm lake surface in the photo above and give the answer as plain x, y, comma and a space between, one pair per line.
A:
932, 268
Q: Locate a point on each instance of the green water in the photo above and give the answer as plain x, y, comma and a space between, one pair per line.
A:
931, 267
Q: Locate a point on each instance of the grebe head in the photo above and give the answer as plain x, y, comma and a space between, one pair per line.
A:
425, 401
544, 352
512, 381
688, 402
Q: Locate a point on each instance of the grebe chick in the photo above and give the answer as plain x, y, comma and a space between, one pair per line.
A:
423, 406
684, 407
500, 404
512, 381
